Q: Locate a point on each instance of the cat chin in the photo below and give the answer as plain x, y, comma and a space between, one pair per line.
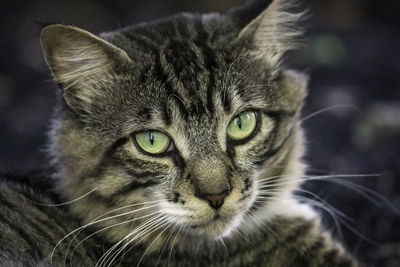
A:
217, 227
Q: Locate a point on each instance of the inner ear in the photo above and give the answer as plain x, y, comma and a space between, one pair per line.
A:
79, 60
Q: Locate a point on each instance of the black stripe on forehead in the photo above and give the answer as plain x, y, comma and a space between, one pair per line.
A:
159, 72
185, 56
175, 98
145, 113
226, 100
209, 56
170, 58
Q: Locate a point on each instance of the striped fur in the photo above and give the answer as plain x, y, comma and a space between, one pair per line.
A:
187, 76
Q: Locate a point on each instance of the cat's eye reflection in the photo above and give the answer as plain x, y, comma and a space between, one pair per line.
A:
153, 142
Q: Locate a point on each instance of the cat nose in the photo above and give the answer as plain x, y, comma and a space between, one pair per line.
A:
215, 200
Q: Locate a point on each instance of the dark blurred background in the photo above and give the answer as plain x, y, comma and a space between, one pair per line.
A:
352, 55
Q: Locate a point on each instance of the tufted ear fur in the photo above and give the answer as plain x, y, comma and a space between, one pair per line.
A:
273, 31
79, 61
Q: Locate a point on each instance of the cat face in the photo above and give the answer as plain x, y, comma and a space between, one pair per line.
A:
176, 124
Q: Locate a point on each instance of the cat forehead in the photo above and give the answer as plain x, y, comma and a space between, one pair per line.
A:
191, 91
182, 32
181, 47
180, 61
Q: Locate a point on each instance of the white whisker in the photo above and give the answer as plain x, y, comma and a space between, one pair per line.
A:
254, 218
365, 192
111, 226
329, 209
93, 222
146, 230
329, 109
98, 221
103, 260
173, 244
324, 202
63, 203
147, 249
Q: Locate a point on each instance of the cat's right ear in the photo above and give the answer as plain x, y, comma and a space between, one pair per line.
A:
79, 61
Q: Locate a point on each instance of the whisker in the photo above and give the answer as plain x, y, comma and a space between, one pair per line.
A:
254, 218
329, 210
239, 232
198, 248
79, 229
145, 225
147, 249
364, 191
369, 194
374, 175
221, 240
272, 177
275, 184
147, 230
93, 222
347, 225
166, 242
329, 109
60, 204
173, 243
324, 202
111, 226
108, 255
272, 180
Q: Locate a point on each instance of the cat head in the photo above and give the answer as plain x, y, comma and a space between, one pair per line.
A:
186, 123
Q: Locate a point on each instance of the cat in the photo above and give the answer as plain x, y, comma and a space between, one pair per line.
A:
175, 143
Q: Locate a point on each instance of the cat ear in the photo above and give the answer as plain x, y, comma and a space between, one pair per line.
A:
272, 31
79, 61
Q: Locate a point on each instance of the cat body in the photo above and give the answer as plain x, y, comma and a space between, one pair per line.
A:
31, 231
176, 142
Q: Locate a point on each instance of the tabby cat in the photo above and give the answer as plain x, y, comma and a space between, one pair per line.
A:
175, 143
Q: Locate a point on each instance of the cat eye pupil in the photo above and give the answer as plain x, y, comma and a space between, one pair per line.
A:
151, 138
239, 122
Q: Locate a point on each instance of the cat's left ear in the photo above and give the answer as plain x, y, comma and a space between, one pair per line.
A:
269, 28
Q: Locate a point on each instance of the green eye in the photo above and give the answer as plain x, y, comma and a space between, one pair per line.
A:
242, 126
153, 142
